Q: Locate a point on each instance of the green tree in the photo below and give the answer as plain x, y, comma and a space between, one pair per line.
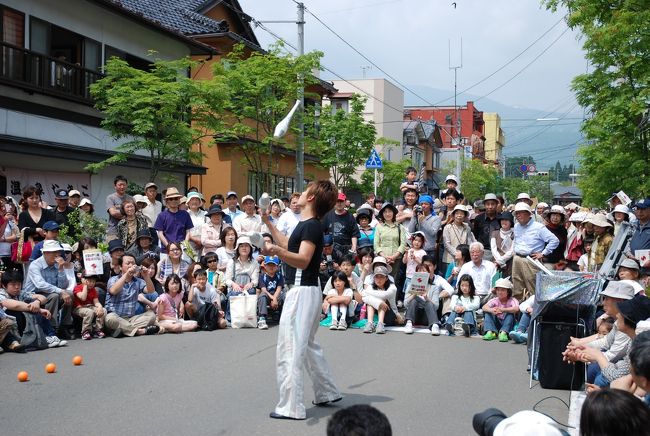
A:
248, 96
514, 162
535, 186
615, 91
388, 179
347, 140
477, 179
151, 110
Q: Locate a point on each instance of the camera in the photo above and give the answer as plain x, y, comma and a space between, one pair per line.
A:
485, 422
417, 208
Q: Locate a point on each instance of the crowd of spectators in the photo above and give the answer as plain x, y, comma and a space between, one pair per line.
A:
172, 261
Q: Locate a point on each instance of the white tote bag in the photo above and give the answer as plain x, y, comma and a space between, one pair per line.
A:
243, 311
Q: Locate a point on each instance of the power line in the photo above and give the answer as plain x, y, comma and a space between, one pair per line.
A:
367, 59
506, 64
543, 129
525, 67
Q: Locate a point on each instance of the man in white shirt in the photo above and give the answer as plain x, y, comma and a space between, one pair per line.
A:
152, 210
231, 201
290, 218
481, 271
249, 221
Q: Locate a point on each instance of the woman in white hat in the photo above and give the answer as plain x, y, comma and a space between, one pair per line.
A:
620, 214
602, 241
242, 272
456, 233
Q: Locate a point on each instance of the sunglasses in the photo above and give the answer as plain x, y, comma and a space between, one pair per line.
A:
211, 261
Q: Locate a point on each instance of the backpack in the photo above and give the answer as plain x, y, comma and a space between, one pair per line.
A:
208, 317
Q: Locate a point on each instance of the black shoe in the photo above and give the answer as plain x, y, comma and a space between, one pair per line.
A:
63, 333
151, 330
450, 329
327, 403
466, 329
278, 416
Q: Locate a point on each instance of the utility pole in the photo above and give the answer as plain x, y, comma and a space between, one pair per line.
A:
300, 145
456, 121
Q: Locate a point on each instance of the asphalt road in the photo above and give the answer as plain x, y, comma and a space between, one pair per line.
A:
223, 383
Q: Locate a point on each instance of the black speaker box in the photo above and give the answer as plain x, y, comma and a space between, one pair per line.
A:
554, 373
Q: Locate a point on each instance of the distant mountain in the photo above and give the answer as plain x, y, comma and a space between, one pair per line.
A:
546, 141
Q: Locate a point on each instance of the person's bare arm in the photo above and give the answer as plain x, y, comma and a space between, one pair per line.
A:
279, 238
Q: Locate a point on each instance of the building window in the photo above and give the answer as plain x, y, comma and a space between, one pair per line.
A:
281, 186
134, 61
13, 26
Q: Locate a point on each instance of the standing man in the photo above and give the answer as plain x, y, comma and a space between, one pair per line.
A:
173, 224
487, 222
641, 236
428, 223
297, 348
249, 221
343, 227
62, 209
531, 239
113, 203
152, 209
231, 201
289, 220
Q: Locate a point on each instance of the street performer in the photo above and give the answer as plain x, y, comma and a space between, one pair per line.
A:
300, 318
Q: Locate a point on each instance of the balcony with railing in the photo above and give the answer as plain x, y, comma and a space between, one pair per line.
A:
35, 72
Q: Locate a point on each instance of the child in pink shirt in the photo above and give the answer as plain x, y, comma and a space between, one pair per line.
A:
500, 312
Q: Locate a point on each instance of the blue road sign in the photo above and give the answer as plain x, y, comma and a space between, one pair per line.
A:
374, 161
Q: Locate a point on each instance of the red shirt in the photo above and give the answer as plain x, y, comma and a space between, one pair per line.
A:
92, 294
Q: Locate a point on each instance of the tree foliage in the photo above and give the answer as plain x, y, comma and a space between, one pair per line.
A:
347, 140
248, 96
151, 110
477, 179
616, 92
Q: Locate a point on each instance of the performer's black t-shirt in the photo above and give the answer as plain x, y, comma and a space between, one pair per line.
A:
308, 230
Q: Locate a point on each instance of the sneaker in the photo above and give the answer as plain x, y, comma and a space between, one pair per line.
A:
334, 325
98, 334
503, 336
458, 326
342, 325
489, 336
86, 336
380, 330
435, 330
261, 324
514, 335
523, 337
369, 328
52, 341
151, 330
408, 328
450, 329
466, 329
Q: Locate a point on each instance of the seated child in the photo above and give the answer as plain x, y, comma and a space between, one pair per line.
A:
500, 312
605, 327
170, 309
380, 297
413, 257
271, 284
463, 306
88, 308
428, 302
347, 266
520, 334
216, 277
337, 301
201, 292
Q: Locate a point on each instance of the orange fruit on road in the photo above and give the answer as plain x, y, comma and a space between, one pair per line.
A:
50, 368
77, 360
23, 376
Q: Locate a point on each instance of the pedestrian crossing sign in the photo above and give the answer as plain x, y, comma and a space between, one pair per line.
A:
374, 161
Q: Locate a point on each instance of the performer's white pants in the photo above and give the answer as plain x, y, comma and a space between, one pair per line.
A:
297, 350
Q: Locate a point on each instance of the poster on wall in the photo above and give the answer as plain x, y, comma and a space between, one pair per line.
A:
47, 181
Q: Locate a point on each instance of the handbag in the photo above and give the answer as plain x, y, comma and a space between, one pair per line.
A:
21, 250
243, 311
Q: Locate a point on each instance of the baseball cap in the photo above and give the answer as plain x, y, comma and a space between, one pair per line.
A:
150, 185
73, 193
341, 197
51, 225
642, 204
231, 193
620, 290
245, 198
271, 259
61, 194
328, 240
115, 244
